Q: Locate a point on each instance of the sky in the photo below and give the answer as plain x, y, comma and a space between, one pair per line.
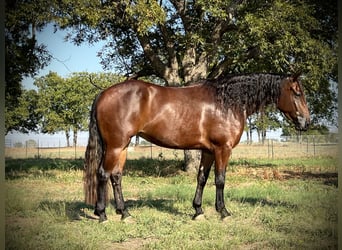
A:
68, 58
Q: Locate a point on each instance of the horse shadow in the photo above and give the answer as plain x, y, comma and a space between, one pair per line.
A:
77, 210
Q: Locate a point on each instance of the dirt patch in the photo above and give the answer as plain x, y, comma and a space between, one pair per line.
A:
328, 178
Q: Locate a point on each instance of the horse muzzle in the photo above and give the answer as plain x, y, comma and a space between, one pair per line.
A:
302, 123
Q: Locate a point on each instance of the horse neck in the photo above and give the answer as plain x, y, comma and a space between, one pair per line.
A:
267, 93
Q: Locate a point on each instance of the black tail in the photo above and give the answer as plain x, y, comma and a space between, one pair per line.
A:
93, 157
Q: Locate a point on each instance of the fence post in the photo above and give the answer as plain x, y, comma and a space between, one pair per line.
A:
314, 146
38, 148
272, 150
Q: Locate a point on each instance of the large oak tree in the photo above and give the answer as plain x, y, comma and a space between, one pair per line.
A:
180, 41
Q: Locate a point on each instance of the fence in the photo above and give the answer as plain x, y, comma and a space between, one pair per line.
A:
303, 146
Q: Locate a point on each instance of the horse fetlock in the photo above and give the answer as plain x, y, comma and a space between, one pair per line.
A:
198, 212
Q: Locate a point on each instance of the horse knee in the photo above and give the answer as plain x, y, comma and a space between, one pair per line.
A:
220, 180
102, 175
201, 179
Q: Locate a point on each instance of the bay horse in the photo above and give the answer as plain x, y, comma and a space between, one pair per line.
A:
209, 115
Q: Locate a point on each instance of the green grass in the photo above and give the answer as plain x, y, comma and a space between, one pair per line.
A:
45, 208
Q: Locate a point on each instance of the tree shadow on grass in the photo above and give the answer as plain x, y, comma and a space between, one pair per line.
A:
330, 179
19, 168
265, 202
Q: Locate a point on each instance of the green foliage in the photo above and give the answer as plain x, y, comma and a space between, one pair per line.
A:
23, 55
182, 41
24, 116
64, 103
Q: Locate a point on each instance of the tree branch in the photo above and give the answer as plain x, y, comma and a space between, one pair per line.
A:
152, 55
95, 85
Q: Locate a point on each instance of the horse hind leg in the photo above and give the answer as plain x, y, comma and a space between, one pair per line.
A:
116, 177
111, 167
207, 160
100, 206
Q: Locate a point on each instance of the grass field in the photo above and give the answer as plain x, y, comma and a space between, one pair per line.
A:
279, 204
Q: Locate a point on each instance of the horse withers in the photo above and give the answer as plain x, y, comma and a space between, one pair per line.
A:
209, 115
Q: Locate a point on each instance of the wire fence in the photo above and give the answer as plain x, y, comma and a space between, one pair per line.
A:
294, 147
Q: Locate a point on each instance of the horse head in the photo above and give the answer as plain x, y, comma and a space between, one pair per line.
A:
292, 103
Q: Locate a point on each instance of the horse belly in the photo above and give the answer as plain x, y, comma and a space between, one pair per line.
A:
168, 140
175, 127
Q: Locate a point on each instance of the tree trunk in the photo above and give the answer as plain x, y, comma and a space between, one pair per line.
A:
259, 135
192, 160
137, 140
75, 137
67, 135
263, 135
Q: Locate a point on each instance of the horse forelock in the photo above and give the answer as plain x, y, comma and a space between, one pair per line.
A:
247, 93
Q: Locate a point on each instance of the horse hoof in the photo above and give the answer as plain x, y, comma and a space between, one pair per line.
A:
125, 214
225, 214
226, 218
128, 220
103, 219
198, 217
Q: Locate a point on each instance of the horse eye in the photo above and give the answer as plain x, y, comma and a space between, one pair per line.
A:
297, 93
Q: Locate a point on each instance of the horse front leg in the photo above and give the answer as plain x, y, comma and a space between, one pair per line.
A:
221, 159
207, 160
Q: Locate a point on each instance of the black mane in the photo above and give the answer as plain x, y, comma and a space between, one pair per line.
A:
247, 93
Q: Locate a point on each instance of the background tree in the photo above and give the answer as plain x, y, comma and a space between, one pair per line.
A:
183, 41
64, 103
24, 116
51, 104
